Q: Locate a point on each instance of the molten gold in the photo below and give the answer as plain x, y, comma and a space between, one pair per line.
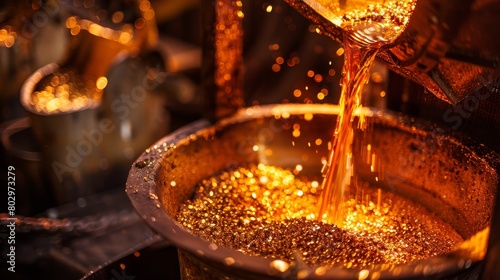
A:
372, 21
268, 211
366, 25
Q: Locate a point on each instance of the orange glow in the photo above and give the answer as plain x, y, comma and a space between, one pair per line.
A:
124, 36
7, 36
274, 47
75, 30
101, 83
308, 116
71, 22
95, 29
144, 5
340, 51
140, 23
117, 17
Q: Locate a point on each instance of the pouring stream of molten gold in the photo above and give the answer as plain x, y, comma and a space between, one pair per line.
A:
367, 25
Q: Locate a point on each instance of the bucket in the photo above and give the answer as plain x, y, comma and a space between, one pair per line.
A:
454, 179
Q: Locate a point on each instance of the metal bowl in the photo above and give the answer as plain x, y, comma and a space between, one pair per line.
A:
455, 180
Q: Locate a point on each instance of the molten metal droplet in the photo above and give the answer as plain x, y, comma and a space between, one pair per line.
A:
279, 265
363, 274
229, 261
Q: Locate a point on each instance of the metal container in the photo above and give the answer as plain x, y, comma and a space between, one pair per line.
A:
454, 179
69, 144
89, 150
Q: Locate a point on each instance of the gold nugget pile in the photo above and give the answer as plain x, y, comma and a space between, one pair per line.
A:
267, 211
